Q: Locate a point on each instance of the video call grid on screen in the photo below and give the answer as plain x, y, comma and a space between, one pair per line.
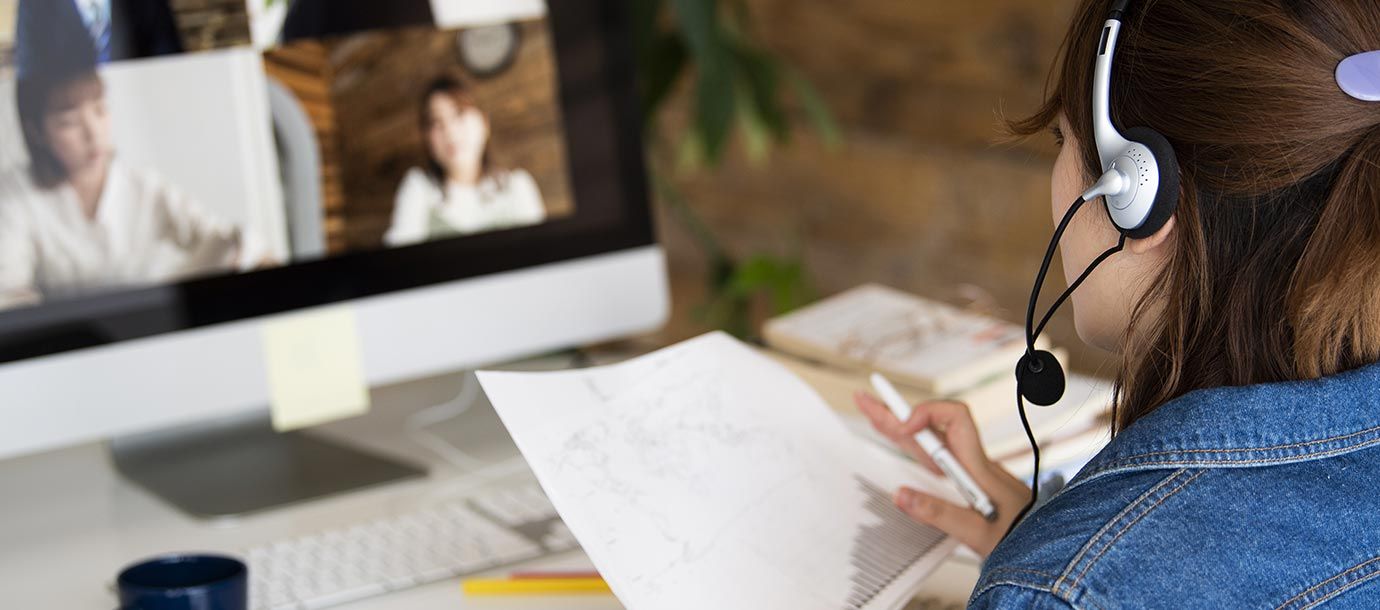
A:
166, 164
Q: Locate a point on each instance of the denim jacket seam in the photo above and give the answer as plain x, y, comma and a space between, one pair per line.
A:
1127, 463
1373, 563
1040, 573
992, 583
1112, 522
1149, 509
1338, 591
1319, 441
1158, 496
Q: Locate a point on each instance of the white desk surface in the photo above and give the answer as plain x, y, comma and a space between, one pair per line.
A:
69, 522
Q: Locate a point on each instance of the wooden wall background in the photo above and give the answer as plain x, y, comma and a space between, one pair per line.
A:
304, 68
920, 195
377, 84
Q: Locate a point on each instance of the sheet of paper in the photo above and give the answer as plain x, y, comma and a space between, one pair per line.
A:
707, 476
315, 370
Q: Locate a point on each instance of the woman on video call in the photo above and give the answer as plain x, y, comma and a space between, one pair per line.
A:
1244, 471
459, 192
77, 220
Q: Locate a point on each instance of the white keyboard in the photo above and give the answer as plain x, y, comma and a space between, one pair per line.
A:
444, 540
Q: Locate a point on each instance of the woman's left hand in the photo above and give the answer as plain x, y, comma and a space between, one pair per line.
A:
954, 425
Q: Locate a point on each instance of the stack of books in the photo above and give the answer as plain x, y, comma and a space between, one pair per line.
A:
932, 350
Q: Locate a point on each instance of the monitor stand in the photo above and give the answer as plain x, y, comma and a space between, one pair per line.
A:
236, 466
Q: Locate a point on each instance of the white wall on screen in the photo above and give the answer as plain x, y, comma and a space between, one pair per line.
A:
201, 121
266, 19
461, 13
12, 152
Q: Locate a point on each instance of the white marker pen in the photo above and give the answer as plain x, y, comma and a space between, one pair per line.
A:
936, 450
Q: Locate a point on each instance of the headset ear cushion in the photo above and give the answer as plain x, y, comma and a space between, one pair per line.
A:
1167, 193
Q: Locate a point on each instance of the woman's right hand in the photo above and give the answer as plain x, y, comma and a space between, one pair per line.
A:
953, 424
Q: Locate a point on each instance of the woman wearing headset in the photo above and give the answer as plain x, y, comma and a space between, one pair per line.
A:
1245, 466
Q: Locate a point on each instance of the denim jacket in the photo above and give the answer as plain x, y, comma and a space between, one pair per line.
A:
1263, 496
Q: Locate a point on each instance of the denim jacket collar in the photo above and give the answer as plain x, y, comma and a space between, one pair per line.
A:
1250, 426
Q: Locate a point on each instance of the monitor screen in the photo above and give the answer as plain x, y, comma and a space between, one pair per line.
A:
167, 164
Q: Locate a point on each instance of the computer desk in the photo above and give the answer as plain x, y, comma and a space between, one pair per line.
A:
69, 522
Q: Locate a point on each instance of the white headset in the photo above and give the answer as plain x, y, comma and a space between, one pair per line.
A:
1140, 187
1141, 180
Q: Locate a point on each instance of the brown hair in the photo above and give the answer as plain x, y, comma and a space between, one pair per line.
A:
1274, 270
39, 95
454, 88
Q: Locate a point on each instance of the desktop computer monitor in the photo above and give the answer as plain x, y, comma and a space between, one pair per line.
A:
466, 175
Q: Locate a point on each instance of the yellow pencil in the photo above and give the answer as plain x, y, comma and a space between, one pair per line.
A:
535, 586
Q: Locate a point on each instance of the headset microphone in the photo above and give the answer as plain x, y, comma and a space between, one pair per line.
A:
1040, 377
1140, 190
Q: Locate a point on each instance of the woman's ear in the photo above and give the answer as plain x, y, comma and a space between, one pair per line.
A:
1155, 240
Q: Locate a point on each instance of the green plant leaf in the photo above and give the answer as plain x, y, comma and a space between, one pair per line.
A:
663, 62
660, 56
761, 73
736, 83
714, 108
791, 289
699, 22
714, 103
733, 289
753, 274
815, 108
757, 136
690, 156
741, 15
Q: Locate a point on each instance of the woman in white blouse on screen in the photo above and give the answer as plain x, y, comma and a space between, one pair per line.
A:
78, 221
459, 192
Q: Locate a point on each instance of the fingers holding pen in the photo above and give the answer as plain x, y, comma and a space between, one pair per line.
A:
886, 424
961, 522
947, 428
953, 423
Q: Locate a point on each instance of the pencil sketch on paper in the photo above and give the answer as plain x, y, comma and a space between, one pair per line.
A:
705, 475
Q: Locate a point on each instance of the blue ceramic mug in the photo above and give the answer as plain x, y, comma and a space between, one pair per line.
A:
185, 582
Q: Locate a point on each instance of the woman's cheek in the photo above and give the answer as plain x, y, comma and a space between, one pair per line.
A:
436, 140
69, 147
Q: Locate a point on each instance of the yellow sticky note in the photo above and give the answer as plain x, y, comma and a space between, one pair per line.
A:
8, 10
315, 370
